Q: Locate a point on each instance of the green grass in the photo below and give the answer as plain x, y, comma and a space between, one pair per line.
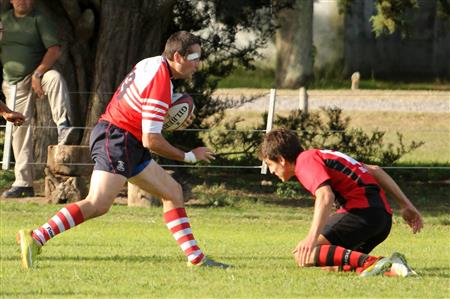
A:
264, 77
431, 128
129, 253
258, 78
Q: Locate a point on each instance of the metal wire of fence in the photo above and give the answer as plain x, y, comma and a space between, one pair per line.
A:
272, 93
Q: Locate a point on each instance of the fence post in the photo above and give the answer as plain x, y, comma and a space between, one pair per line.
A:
355, 80
303, 99
273, 95
8, 130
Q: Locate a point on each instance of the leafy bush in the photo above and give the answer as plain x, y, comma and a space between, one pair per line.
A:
330, 130
326, 129
290, 189
6, 178
216, 196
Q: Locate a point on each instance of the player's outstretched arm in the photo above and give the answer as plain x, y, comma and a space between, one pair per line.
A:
408, 210
156, 143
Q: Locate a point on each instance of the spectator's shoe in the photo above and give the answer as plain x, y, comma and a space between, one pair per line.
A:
209, 263
382, 265
16, 192
400, 266
29, 248
67, 136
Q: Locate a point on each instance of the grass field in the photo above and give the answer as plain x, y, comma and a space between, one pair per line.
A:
129, 253
264, 77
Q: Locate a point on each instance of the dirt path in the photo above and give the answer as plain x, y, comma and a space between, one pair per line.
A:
375, 100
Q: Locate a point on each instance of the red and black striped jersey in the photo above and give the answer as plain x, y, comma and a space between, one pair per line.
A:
354, 187
141, 102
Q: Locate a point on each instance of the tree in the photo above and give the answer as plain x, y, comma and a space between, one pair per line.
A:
391, 15
104, 39
294, 44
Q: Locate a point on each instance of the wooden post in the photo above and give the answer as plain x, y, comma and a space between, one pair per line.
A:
8, 130
303, 99
270, 115
355, 80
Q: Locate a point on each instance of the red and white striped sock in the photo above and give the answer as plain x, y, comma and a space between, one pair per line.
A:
65, 219
178, 224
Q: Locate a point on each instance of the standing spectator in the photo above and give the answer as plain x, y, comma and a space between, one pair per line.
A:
29, 49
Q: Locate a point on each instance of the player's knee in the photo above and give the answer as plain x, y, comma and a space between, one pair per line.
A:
94, 208
176, 195
101, 210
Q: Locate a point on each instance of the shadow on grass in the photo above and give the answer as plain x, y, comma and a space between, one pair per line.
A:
441, 272
115, 258
430, 197
142, 258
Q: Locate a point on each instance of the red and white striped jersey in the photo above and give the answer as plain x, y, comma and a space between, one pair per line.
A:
141, 102
354, 187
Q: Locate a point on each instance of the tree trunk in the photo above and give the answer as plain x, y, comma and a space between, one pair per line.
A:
294, 43
42, 126
102, 40
132, 30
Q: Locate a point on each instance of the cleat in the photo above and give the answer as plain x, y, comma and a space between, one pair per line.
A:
379, 267
29, 248
400, 266
209, 263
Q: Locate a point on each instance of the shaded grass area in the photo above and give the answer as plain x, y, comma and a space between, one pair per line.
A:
430, 197
129, 253
264, 77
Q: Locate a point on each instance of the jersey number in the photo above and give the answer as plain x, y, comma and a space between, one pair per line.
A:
126, 84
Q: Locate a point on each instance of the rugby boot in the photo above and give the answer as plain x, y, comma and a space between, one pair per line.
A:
379, 267
400, 266
209, 263
29, 248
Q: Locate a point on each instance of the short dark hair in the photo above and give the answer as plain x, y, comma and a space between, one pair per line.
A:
280, 143
180, 42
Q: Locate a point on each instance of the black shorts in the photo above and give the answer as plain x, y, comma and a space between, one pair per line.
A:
358, 229
117, 151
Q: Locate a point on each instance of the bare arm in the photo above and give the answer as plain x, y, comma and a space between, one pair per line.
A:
158, 144
408, 211
322, 209
49, 59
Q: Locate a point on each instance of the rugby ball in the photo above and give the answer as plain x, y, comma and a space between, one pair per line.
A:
182, 107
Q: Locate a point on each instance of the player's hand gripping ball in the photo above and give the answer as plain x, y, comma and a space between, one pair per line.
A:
180, 112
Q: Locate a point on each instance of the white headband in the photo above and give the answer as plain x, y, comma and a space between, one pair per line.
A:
193, 56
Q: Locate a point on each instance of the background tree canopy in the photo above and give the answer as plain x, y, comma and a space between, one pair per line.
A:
104, 39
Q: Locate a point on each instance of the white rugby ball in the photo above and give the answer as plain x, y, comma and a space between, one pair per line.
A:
182, 107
